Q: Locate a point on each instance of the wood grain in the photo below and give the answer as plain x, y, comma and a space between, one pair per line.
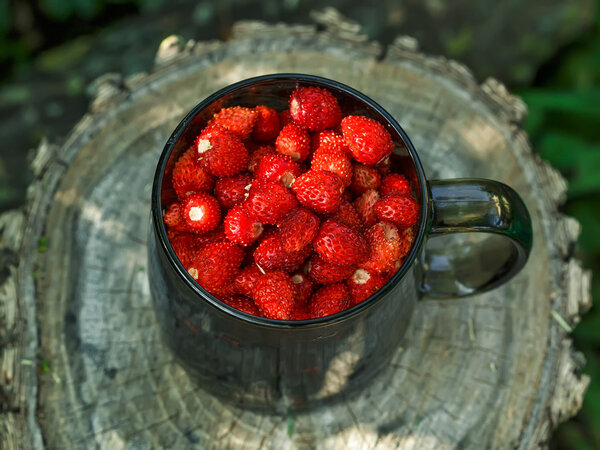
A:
491, 371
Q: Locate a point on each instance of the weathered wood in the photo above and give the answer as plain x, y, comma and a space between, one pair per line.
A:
492, 371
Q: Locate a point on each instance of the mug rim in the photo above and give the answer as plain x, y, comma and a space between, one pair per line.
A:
161, 232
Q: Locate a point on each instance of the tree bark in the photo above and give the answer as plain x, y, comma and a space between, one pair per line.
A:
83, 364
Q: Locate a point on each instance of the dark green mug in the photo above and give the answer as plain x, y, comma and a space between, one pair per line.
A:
275, 365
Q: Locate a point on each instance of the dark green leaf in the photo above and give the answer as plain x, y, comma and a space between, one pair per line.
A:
5, 17
584, 102
579, 161
58, 10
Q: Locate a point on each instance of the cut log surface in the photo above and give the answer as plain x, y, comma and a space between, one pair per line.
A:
83, 364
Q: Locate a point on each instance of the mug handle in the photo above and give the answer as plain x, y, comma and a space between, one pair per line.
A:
495, 245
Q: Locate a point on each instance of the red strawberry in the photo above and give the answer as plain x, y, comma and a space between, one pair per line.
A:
274, 294
402, 211
242, 303
269, 202
201, 212
285, 117
407, 238
217, 235
294, 142
189, 177
171, 234
267, 124
216, 265
173, 218
365, 178
246, 279
365, 207
363, 284
237, 119
324, 272
348, 215
270, 255
257, 154
186, 246
329, 300
232, 190
319, 190
334, 161
301, 312
303, 287
298, 229
314, 108
221, 153
368, 140
395, 184
240, 227
384, 166
339, 244
386, 248
330, 140
277, 168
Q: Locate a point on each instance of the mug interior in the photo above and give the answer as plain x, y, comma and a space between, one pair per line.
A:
274, 91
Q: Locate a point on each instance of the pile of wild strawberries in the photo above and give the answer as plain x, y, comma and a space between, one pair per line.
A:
292, 215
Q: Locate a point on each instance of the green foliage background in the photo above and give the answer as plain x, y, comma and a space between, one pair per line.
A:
563, 125
564, 128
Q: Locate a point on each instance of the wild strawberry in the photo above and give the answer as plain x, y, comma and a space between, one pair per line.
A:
240, 227
257, 155
407, 238
267, 124
298, 229
173, 218
363, 284
324, 272
334, 161
246, 279
172, 234
314, 108
339, 244
211, 237
365, 178
365, 207
329, 300
186, 246
242, 303
368, 140
270, 255
201, 212
384, 166
330, 140
402, 211
216, 265
237, 119
294, 142
222, 292
319, 190
301, 312
269, 202
189, 177
348, 215
395, 184
277, 168
285, 117
303, 287
231, 191
386, 247
274, 294
221, 153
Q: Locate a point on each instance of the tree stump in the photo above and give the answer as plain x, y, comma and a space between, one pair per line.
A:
83, 364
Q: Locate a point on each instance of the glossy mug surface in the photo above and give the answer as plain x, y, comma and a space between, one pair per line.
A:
273, 365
